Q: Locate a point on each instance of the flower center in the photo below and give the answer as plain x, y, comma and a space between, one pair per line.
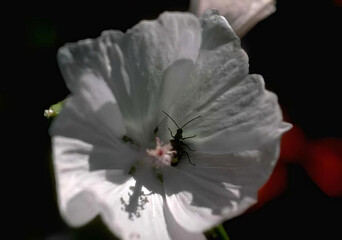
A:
162, 155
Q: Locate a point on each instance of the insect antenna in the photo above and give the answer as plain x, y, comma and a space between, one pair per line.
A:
171, 119
190, 121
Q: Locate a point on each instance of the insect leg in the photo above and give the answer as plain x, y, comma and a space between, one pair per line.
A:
187, 146
189, 137
188, 158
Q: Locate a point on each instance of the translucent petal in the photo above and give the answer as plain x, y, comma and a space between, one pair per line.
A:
102, 186
218, 188
178, 232
86, 74
251, 118
144, 68
136, 210
76, 122
158, 57
74, 163
237, 113
241, 14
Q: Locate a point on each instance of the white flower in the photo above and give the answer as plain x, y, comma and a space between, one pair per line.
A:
120, 85
241, 14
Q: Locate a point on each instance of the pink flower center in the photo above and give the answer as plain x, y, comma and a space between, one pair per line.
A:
162, 155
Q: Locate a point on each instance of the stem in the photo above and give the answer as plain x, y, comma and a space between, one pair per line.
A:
217, 233
223, 232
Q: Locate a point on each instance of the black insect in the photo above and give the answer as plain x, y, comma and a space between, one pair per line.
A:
177, 142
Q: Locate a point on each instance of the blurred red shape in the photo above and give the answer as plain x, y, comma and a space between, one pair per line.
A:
322, 160
338, 3
324, 165
293, 145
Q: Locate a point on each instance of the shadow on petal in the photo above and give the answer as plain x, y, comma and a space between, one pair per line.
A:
218, 188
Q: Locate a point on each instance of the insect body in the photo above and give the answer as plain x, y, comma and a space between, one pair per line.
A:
177, 142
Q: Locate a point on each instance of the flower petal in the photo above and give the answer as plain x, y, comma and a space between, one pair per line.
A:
139, 212
248, 122
241, 14
237, 113
157, 66
74, 160
125, 203
136, 210
93, 181
216, 31
143, 68
218, 188
220, 65
178, 232
86, 74
244, 15
72, 164
69, 169
79, 121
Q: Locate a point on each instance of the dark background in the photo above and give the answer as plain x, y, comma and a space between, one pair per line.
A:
298, 50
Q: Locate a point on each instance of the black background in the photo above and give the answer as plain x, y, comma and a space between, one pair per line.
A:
298, 50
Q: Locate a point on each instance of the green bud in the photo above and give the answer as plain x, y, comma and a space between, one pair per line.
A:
54, 110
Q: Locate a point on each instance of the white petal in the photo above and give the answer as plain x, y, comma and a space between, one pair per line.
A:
178, 232
144, 68
69, 170
243, 118
86, 74
136, 209
73, 162
216, 31
244, 15
155, 59
78, 121
102, 186
241, 14
237, 113
218, 187
133, 210
221, 64
136, 212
